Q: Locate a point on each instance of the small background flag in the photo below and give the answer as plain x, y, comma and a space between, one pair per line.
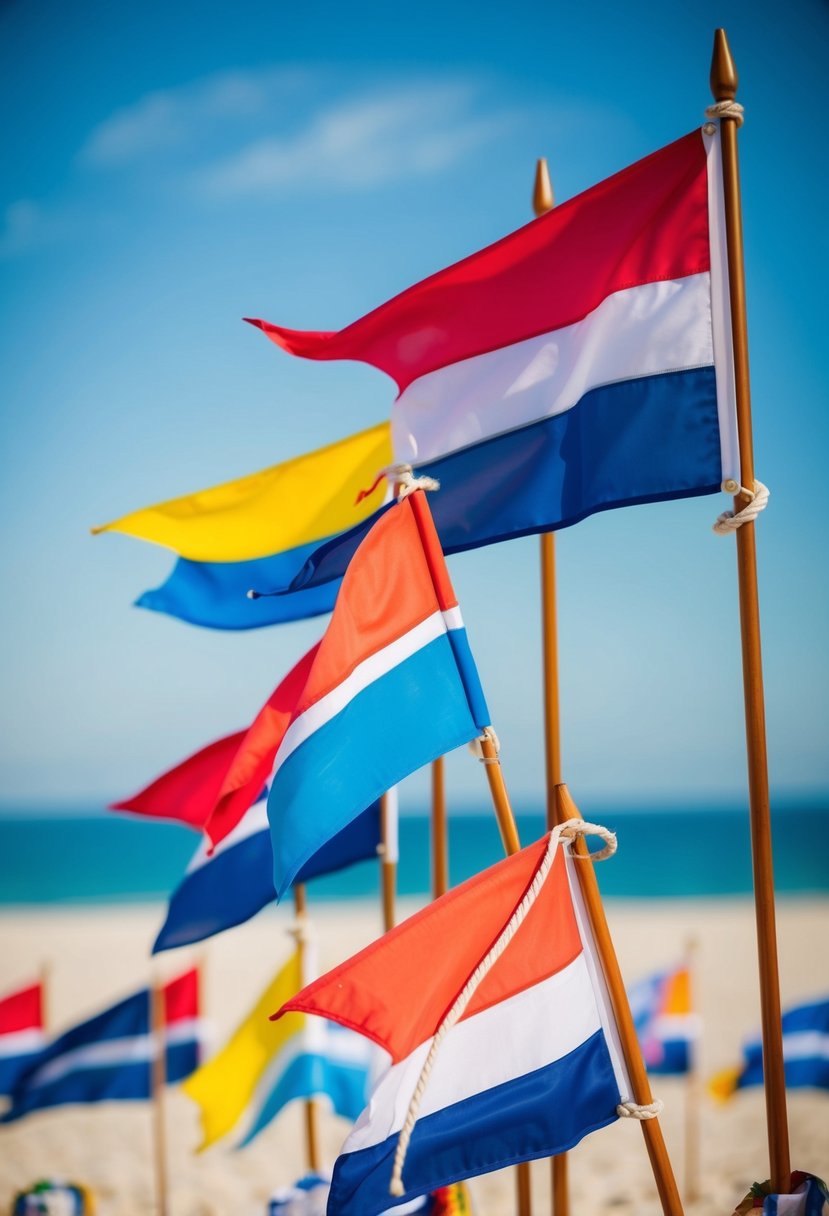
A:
494, 1096
805, 1053
665, 1021
109, 1057
265, 1065
392, 686
21, 1032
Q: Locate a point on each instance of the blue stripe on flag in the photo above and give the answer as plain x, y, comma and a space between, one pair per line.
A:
636, 441
11, 1067
558, 1105
403, 720
314, 1075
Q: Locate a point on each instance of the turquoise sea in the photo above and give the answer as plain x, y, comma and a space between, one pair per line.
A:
50, 856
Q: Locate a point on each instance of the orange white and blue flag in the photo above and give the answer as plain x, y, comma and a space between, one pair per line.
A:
392, 686
665, 1020
534, 1063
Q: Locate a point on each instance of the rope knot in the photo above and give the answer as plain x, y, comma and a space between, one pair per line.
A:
644, 1111
579, 827
725, 109
758, 499
477, 750
301, 931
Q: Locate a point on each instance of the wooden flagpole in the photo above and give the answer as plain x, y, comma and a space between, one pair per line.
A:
657, 1152
45, 996
311, 1110
692, 1091
440, 845
544, 201
724, 82
388, 863
158, 1079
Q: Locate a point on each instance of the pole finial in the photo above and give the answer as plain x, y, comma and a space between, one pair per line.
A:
543, 199
724, 78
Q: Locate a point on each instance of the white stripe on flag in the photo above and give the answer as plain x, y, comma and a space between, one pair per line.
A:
253, 821
676, 1026
21, 1042
806, 1045
371, 669
483, 1051
106, 1054
640, 331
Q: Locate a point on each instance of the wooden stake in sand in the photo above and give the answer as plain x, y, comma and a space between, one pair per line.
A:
312, 1139
389, 855
158, 1080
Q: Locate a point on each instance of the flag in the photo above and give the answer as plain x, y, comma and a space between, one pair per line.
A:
533, 1065
21, 1032
309, 1194
265, 1065
392, 686
109, 1057
808, 1196
189, 791
805, 1053
258, 531
226, 886
665, 1021
579, 364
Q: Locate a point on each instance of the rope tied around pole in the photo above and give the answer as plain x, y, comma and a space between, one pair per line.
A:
403, 482
567, 830
301, 931
644, 1111
730, 521
724, 109
475, 747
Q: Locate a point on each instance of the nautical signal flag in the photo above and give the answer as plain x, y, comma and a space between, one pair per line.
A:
581, 363
665, 1020
21, 1032
264, 1066
392, 686
226, 886
109, 1057
805, 1054
532, 1066
257, 531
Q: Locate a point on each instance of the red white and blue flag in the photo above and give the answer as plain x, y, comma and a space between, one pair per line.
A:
533, 1065
109, 1057
392, 686
665, 1021
21, 1032
581, 363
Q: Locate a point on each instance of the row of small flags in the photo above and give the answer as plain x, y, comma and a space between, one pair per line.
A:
264, 1065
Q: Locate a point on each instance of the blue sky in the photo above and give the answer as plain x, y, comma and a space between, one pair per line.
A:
173, 167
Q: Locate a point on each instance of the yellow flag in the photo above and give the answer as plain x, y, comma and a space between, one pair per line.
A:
224, 1086
299, 502
723, 1085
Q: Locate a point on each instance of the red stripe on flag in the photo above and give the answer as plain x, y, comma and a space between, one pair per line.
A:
22, 1010
181, 997
398, 989
646, 224
435, 557
189, 791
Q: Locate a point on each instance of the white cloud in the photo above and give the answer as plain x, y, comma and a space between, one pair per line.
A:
360, 142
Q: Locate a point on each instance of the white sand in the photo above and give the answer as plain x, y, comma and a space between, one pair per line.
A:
95, 956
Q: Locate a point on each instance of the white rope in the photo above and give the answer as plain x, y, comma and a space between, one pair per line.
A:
726, 109
475, 746
301, 931
730, 521
568, 830
633, 1110
405, 483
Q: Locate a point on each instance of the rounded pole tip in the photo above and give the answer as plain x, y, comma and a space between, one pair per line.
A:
724, 78
543, 199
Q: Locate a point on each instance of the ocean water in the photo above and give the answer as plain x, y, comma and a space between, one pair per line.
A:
97, 857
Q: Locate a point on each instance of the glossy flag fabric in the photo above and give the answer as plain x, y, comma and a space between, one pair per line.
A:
109, 1057
582, 363
21, 1032
228, 885
392, 686
665, 1020
805, 1053
257, 531
534, 1063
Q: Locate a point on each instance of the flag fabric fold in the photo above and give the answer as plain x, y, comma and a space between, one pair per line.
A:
21, 1032
392, 686
109, 1057
581, 363
805, 1053
665, 1021
228, 885
258, 531
534, 1064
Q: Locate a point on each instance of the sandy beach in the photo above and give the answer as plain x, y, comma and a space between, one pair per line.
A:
95, 955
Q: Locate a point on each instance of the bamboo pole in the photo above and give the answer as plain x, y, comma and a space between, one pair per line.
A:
692, 1092
388, 864
654, 1140
158, 1079
544, 201
440, 843
724, 82
311, 1110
